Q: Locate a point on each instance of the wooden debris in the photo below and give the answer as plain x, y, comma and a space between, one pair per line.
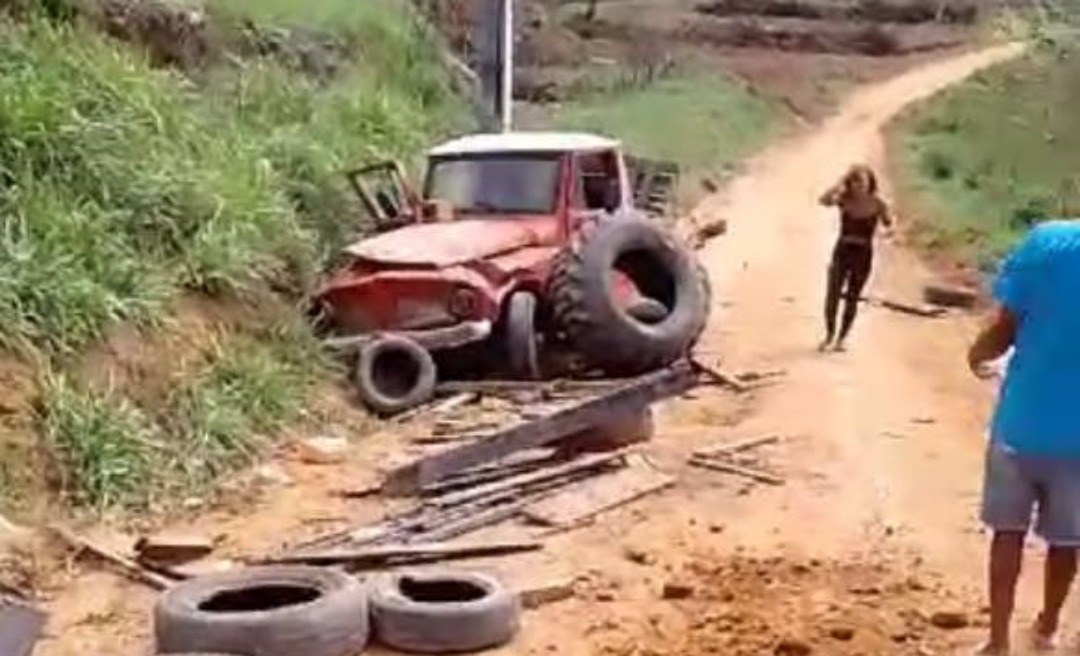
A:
574, 505
20, 627
322, 450
950, 296
514, 464
522, 481
129, 567
926, 311
172, 549
369, 490
438, 407
195, 569
738, 470
549, 592
565, 420
735, 447
381, 556
720, 377
761, 376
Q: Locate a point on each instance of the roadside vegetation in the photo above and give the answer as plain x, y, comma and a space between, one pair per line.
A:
985, 161
710, 122
130, 186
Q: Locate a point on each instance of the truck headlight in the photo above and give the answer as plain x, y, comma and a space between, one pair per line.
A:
463, 302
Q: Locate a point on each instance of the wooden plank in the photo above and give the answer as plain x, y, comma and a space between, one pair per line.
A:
580, 502
735, 447
722, 378
20, 627
129, 567
572, 418
548, 592
378, 556
926, 311
438, 407
737, 470
524, 480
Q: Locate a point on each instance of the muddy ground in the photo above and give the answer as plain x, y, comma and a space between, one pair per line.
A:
870, 546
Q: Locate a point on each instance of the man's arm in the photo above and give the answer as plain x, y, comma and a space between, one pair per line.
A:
994, 340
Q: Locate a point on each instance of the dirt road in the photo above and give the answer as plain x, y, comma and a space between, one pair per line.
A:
874, 530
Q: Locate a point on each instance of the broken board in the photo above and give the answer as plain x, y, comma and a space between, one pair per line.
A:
580, 502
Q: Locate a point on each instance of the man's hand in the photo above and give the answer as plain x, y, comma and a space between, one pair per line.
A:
993, 342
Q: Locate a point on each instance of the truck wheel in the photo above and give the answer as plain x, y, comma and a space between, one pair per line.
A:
264, 611
520, 337
393, 374
610, 337
447, 612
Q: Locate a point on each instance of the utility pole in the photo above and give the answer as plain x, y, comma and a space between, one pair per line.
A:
494, 30
506, 104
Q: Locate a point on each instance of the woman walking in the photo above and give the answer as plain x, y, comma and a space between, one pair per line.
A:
861, 210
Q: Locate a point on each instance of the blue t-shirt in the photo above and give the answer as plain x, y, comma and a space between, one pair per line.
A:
1038, 411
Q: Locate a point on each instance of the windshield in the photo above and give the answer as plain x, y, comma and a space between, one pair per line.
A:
496, 184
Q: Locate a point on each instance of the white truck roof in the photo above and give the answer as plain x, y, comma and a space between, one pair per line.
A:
523, 142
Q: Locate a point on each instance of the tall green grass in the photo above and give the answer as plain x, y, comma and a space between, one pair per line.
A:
126, 184
111, 453
992, 157
124, 187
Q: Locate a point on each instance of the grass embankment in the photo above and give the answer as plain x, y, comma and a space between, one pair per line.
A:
707, 123
988, 159
129, 190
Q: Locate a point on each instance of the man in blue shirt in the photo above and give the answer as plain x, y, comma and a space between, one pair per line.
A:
1033, 460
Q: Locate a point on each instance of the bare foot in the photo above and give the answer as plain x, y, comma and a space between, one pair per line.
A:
824, 345
840, 347
1040, 638
990, 649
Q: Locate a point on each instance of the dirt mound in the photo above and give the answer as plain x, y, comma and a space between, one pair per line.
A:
171, 35
796, 35
748, 607
879, 11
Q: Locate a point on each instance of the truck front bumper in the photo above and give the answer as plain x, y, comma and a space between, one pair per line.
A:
433, 339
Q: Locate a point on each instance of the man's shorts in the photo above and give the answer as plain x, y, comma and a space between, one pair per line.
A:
1016, 487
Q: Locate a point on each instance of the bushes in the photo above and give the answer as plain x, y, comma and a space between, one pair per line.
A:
125, 186
996, 155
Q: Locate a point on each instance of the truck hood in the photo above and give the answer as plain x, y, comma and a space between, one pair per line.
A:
445, 244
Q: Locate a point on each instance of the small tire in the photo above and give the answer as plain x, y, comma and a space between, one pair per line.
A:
393, 374
520, 338
264, 611
443, 612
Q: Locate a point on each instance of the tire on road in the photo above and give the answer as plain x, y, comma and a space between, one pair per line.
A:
264, 611
520, 338
608, 336
443, 612
393, 374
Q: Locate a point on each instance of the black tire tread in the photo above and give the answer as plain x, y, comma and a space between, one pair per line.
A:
582, 329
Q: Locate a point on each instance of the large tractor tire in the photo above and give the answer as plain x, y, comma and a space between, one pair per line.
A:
620, 340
